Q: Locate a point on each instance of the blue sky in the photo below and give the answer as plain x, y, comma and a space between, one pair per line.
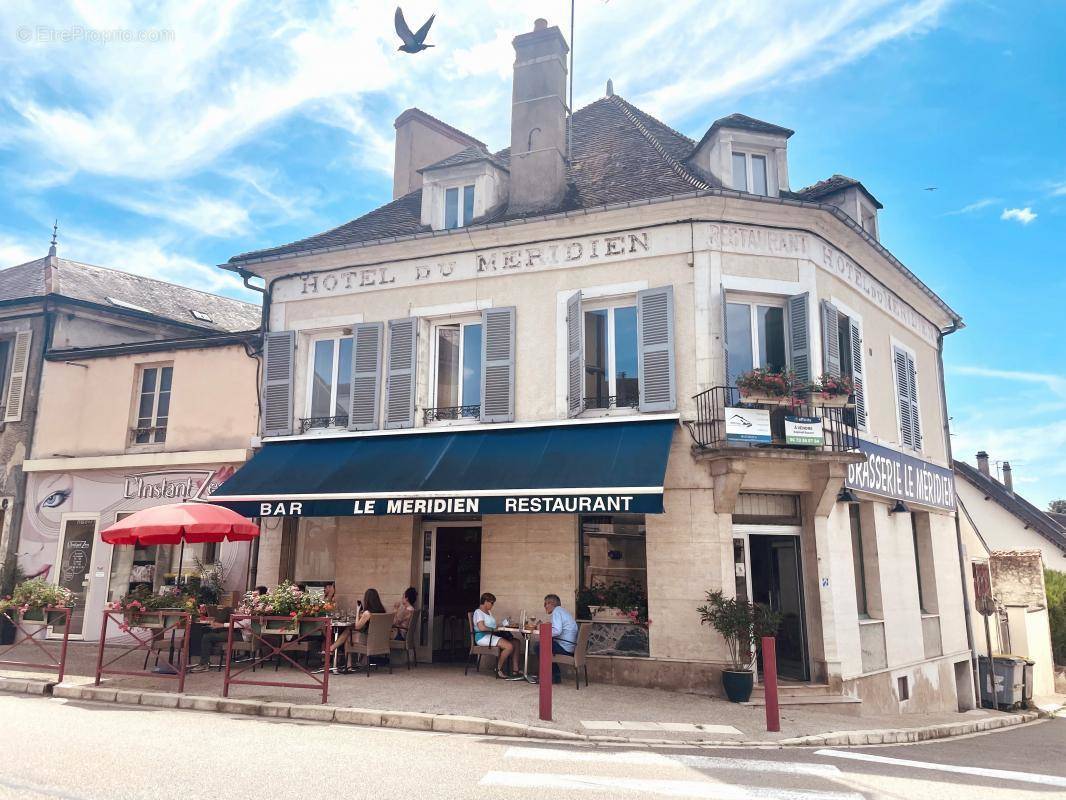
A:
224, 127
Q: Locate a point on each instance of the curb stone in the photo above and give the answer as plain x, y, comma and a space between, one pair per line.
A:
452, 723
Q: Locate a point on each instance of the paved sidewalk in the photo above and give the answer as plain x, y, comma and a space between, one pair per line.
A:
612, 711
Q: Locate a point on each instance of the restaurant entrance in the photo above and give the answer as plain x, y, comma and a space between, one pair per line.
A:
452, 586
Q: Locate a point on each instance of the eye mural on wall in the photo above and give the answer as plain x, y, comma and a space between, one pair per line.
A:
55, 499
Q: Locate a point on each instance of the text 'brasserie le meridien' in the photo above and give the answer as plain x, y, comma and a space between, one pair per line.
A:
559, 367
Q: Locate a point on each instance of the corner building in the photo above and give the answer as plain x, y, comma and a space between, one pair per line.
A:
520, 377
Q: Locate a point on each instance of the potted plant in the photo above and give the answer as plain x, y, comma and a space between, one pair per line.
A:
144, 609
766, 387
286, 600
833, 392
36, 600
741, 624
617, 601
11, 575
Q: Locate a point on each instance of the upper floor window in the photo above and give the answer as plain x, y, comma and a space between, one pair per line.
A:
458, 206
5, 354
755, 333
842, 355
869, 220
457, 370
153, 404
611, 374
906, 378
331, 381
749, 173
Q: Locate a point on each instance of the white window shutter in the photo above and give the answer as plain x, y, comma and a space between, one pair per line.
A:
575, 356
403, 359
497, 364
799, 337
901, 367
16, 385
367, 340
858, 376
830, 339
655, 349
279, 348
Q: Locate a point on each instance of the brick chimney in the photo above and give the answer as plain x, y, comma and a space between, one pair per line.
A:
1008, 479
538, 119
422, 140
982, 463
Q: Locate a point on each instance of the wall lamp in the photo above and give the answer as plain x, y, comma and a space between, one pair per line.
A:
846, 496
899, 507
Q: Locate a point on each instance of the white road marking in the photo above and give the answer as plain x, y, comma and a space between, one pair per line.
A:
650, 758
703, 789
983, 772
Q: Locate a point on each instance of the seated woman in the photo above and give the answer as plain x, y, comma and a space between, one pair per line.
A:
329, 592
404, 610
371, 605
485, 635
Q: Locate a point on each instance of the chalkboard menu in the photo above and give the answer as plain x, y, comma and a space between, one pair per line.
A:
75, 563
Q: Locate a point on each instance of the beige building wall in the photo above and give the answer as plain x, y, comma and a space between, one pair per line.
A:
87, 407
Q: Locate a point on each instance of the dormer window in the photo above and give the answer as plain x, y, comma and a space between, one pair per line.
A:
458, 214
749, 173
869, 219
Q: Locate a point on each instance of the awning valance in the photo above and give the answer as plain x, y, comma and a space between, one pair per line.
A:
568, 468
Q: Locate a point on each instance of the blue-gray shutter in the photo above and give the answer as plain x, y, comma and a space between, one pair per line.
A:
497, 364
858, 377
279, 350
655, 349
16, 384
916, 415
575, 357
363, 410
910, 434
799, 338
830, 339
725, 339
403, 358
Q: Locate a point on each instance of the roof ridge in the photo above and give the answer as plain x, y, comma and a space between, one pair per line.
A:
1052, 531
674, 164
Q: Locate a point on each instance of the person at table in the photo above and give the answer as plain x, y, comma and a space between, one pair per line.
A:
564, 631
329, 592
218, 633
261, 590
403, 612
486, 634
371, 605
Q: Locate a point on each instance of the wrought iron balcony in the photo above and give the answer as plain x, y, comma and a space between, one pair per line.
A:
309, 423
611, 401
148, 434
836, 423
451, 413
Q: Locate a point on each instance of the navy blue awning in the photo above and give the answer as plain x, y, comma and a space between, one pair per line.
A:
585, 467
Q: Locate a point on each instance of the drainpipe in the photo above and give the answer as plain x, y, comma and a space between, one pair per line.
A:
253, 555
963, 578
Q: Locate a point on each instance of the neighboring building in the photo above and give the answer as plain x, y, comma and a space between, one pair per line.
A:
1016, 540
54, 305
520, 377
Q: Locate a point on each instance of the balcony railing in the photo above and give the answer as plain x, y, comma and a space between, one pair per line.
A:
309, 423
442, 413
148, 434
611, 401
709, 430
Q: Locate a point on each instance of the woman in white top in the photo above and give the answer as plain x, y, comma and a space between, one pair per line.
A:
485, 635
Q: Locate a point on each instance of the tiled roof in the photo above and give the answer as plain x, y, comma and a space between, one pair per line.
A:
830, 186
620, 154
746, 123
1038, 520
468, 155
123, 290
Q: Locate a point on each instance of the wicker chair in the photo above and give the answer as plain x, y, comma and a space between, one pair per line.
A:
409, 644
374, 641
578, 659
477, 650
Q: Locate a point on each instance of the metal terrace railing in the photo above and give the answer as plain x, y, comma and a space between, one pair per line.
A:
713, 412
309, 423
451, 413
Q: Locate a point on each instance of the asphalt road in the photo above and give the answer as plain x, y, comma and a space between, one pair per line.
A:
76, 751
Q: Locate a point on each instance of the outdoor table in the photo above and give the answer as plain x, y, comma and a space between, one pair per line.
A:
339, 627
527, 635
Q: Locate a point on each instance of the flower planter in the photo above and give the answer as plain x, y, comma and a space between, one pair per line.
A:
831, 400
172, 617
35, 616
286, 626
307, 627
738, 684
608, 613
152, 620
769, 399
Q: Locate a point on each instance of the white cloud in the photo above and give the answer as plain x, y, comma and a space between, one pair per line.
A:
14, 251
975, 206
1056, 383
207, 215
1058, 189
1022, 215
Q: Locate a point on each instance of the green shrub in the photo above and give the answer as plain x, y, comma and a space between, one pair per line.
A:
1055, 585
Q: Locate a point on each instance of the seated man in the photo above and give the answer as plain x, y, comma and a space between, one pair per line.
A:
564, 631
218, 633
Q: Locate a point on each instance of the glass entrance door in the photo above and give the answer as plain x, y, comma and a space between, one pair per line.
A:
452, 586
75, 562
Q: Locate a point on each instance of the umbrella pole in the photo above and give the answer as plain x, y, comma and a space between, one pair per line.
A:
167, 669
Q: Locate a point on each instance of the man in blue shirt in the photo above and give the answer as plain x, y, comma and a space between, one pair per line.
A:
564, 631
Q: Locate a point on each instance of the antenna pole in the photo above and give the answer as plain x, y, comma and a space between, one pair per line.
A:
570, 127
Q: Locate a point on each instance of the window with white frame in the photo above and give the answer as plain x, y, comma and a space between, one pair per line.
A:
153, 403
749, 173
755, 333
458, 206
330, 382
611, 369
457, 369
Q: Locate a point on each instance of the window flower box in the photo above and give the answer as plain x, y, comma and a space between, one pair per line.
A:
43, 616
152, 620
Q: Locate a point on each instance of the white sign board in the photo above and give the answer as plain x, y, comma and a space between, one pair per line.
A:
747, 425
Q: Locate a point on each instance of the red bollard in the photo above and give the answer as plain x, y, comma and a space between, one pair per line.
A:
545, 676
769, 680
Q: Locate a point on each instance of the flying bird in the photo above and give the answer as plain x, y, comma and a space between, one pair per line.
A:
412, 42
931, 188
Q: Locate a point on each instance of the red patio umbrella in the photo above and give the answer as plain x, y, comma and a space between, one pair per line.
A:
179, 523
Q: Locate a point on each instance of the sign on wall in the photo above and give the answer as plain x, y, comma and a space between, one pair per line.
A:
890, 473
804, 431
747, 425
